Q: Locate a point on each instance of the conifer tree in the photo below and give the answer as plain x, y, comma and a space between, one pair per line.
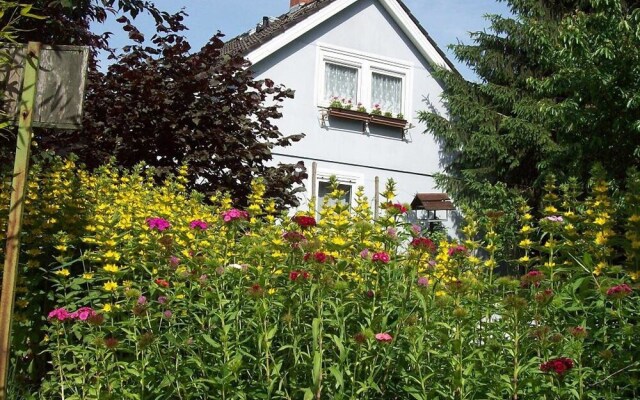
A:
557, 91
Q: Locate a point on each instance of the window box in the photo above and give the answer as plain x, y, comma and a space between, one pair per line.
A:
354, 115
388, 121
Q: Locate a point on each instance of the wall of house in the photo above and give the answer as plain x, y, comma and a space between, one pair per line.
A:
341, 146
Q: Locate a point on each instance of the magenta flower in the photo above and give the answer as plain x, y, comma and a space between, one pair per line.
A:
384, 337
554, 218
158, 224
167, 314
458, 249
174, 261
142, 300
198, 224
61, 314
423, 281
162, 299
234, 214
619, 291
83, 313
381, 257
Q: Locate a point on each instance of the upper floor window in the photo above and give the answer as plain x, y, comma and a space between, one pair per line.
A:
365, 79
341, 82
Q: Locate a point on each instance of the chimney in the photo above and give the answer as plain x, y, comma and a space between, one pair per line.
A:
299, 2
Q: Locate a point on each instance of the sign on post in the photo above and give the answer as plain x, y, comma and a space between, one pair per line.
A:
60, 87
43, 87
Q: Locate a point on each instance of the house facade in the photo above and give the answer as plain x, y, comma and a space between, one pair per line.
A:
361, 70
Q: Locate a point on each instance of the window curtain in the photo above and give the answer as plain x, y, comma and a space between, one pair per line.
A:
387, 92
341, 82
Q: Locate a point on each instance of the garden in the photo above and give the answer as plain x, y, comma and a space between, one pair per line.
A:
132, 290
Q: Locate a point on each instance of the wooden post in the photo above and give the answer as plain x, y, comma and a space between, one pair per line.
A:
19, 185
314, 178
376, 198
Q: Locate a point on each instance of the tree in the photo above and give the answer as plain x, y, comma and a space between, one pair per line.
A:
163, 105
557, 93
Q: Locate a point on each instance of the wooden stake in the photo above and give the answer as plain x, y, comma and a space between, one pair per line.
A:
19, 185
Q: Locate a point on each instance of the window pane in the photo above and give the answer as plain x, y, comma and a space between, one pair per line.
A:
324, 189
341, 82
387, 92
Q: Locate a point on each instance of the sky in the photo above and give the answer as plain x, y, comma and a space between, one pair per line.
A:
447, 21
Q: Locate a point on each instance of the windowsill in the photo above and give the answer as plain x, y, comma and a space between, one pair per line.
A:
349, 114
366, 117
388, 121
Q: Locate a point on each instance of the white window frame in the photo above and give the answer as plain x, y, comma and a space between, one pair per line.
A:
366, 64
344, 178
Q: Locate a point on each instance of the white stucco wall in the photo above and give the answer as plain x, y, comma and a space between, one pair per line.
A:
365, 27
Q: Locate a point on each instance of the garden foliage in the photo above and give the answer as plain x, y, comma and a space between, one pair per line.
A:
136, 291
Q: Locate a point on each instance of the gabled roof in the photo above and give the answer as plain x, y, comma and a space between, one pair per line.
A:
273, 34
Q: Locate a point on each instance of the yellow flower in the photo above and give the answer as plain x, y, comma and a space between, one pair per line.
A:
601, 239
180, 296
111, 268
524, 259
87, 275
110, 286
112, 255
338, 241
634, 218
550, 210
525, 229
527, 217
63, 272
491, 263
601, 220
526, 243
271, 291
107, 307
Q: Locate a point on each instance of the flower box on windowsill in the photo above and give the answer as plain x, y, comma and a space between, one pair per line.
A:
349, 114
388, 121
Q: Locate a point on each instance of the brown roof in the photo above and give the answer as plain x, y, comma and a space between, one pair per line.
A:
245, 43
432, 201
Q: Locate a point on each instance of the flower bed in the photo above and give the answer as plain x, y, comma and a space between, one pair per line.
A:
154, 294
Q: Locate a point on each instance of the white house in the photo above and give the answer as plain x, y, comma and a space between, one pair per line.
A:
368, 52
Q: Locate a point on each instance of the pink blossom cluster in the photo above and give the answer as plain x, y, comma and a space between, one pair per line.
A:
384, 337
457, 249
423, 244
554, 218
234, 214
559, 365
61, 314
158, 224
619, 291
198, 224
381, 257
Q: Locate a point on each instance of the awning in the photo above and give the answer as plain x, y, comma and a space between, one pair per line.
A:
432, 202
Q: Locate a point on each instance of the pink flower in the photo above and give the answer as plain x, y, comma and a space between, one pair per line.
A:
83, 313
142, 300
381, 257
558, 365
168, 314
198, 224
458, 249
423, 281
158, 224
392, 233
619, 291
416, 229
61, 314
396, 207
384, 337
364, 254
234, 214
554, 218
423, 244
304, 221
174, 261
